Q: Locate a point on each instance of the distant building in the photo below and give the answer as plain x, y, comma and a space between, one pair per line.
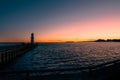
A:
32, 38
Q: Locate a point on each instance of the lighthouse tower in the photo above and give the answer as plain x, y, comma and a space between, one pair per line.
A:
32, 38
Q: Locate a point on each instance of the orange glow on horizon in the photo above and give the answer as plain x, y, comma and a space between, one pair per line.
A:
89, 30
106, 27
59, 21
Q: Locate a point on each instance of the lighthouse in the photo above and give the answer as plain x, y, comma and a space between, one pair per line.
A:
32, 38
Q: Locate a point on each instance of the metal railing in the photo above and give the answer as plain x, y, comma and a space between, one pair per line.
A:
92, 70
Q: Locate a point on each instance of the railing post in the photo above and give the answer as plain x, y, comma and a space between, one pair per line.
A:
6, 57
2, 58
90, 72
14, 54
27, 76
9, 56
95, 74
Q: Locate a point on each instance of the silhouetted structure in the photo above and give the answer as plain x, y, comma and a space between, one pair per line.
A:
11, 54
32, 38
108, 40
100, 40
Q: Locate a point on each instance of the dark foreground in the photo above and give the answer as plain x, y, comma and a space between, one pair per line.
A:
100, 72
115, 76
53, 62
47, 77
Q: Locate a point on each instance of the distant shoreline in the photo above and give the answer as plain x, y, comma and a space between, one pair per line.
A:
108, 40
98, 40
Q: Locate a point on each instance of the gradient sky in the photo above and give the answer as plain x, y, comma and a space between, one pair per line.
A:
59, 20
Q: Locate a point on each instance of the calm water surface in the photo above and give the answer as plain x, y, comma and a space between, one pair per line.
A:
67, 55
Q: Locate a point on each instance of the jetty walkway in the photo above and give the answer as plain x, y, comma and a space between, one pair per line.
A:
6, 56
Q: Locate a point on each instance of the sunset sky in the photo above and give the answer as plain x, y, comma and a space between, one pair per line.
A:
59, 20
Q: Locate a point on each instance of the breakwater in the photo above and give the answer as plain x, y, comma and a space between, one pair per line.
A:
11, 54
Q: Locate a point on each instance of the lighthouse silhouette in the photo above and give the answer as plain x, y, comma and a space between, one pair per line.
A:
32, 38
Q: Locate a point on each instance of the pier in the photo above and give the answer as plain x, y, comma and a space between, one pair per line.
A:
11, 54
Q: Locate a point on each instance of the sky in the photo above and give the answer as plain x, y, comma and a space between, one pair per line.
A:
59, 20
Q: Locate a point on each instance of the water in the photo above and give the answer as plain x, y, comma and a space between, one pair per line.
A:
67, 55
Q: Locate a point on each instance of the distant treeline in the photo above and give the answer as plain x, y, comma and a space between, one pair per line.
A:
108, 40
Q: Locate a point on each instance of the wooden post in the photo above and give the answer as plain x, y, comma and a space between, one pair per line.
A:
2, 58
6, 57
27, 76
90, 72
13, 55
95, 74
9, 55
